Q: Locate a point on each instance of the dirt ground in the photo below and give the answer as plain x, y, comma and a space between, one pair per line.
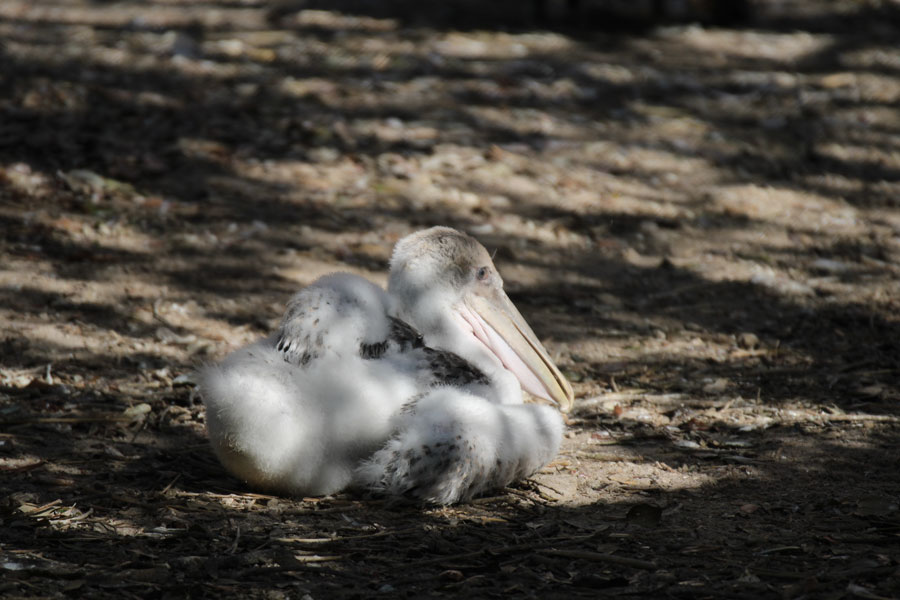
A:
701, 220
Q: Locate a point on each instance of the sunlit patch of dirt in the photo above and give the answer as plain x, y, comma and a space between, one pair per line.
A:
702, 223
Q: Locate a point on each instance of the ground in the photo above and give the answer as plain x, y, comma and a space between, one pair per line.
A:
699, 216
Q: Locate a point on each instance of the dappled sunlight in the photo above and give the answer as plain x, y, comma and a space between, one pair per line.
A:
776, 48
212, 14
700, 223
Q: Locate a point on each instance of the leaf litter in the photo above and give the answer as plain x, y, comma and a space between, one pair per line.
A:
701, 221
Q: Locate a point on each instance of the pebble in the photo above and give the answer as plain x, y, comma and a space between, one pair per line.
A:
748, 341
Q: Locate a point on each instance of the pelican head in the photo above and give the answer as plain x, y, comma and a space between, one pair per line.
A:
445, 284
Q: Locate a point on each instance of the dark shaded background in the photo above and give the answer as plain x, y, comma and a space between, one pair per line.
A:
697, 206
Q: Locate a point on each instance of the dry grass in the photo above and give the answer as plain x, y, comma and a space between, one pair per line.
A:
703, 224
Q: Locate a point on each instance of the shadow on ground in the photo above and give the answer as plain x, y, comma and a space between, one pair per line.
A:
701, 221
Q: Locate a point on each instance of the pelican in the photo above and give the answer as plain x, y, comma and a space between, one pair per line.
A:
415, 392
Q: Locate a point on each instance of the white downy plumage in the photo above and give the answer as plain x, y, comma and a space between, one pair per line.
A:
413, 393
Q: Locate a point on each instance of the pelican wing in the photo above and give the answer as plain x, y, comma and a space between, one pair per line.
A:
338, 314
451, 446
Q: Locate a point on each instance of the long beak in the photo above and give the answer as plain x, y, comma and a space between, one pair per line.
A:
501, 328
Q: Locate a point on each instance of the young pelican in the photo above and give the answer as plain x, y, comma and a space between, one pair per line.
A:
414, 392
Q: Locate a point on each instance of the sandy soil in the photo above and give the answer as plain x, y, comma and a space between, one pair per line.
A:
701, 221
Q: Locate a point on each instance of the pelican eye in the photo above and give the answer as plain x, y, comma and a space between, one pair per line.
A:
482, 274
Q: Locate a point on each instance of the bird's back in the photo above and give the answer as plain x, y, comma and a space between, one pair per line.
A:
296, 412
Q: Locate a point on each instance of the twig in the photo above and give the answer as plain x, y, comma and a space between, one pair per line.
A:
315, 558
455, 557
522, 494
598, 557
246, 496
20, 468
496, 550
309, 566
171, 483
865, 362
140, 428
33, 420
863, 417
797, 575
490, 499
38, 511
778, 549
861, 592
237, 538
290, 540
78, 517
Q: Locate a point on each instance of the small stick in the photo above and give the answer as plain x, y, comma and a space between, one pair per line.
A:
504, 549
171, 483
237, 538
86, 419
308, 566
294, 540
42, 509
316, 558
598, 557
20, 468
862, 417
